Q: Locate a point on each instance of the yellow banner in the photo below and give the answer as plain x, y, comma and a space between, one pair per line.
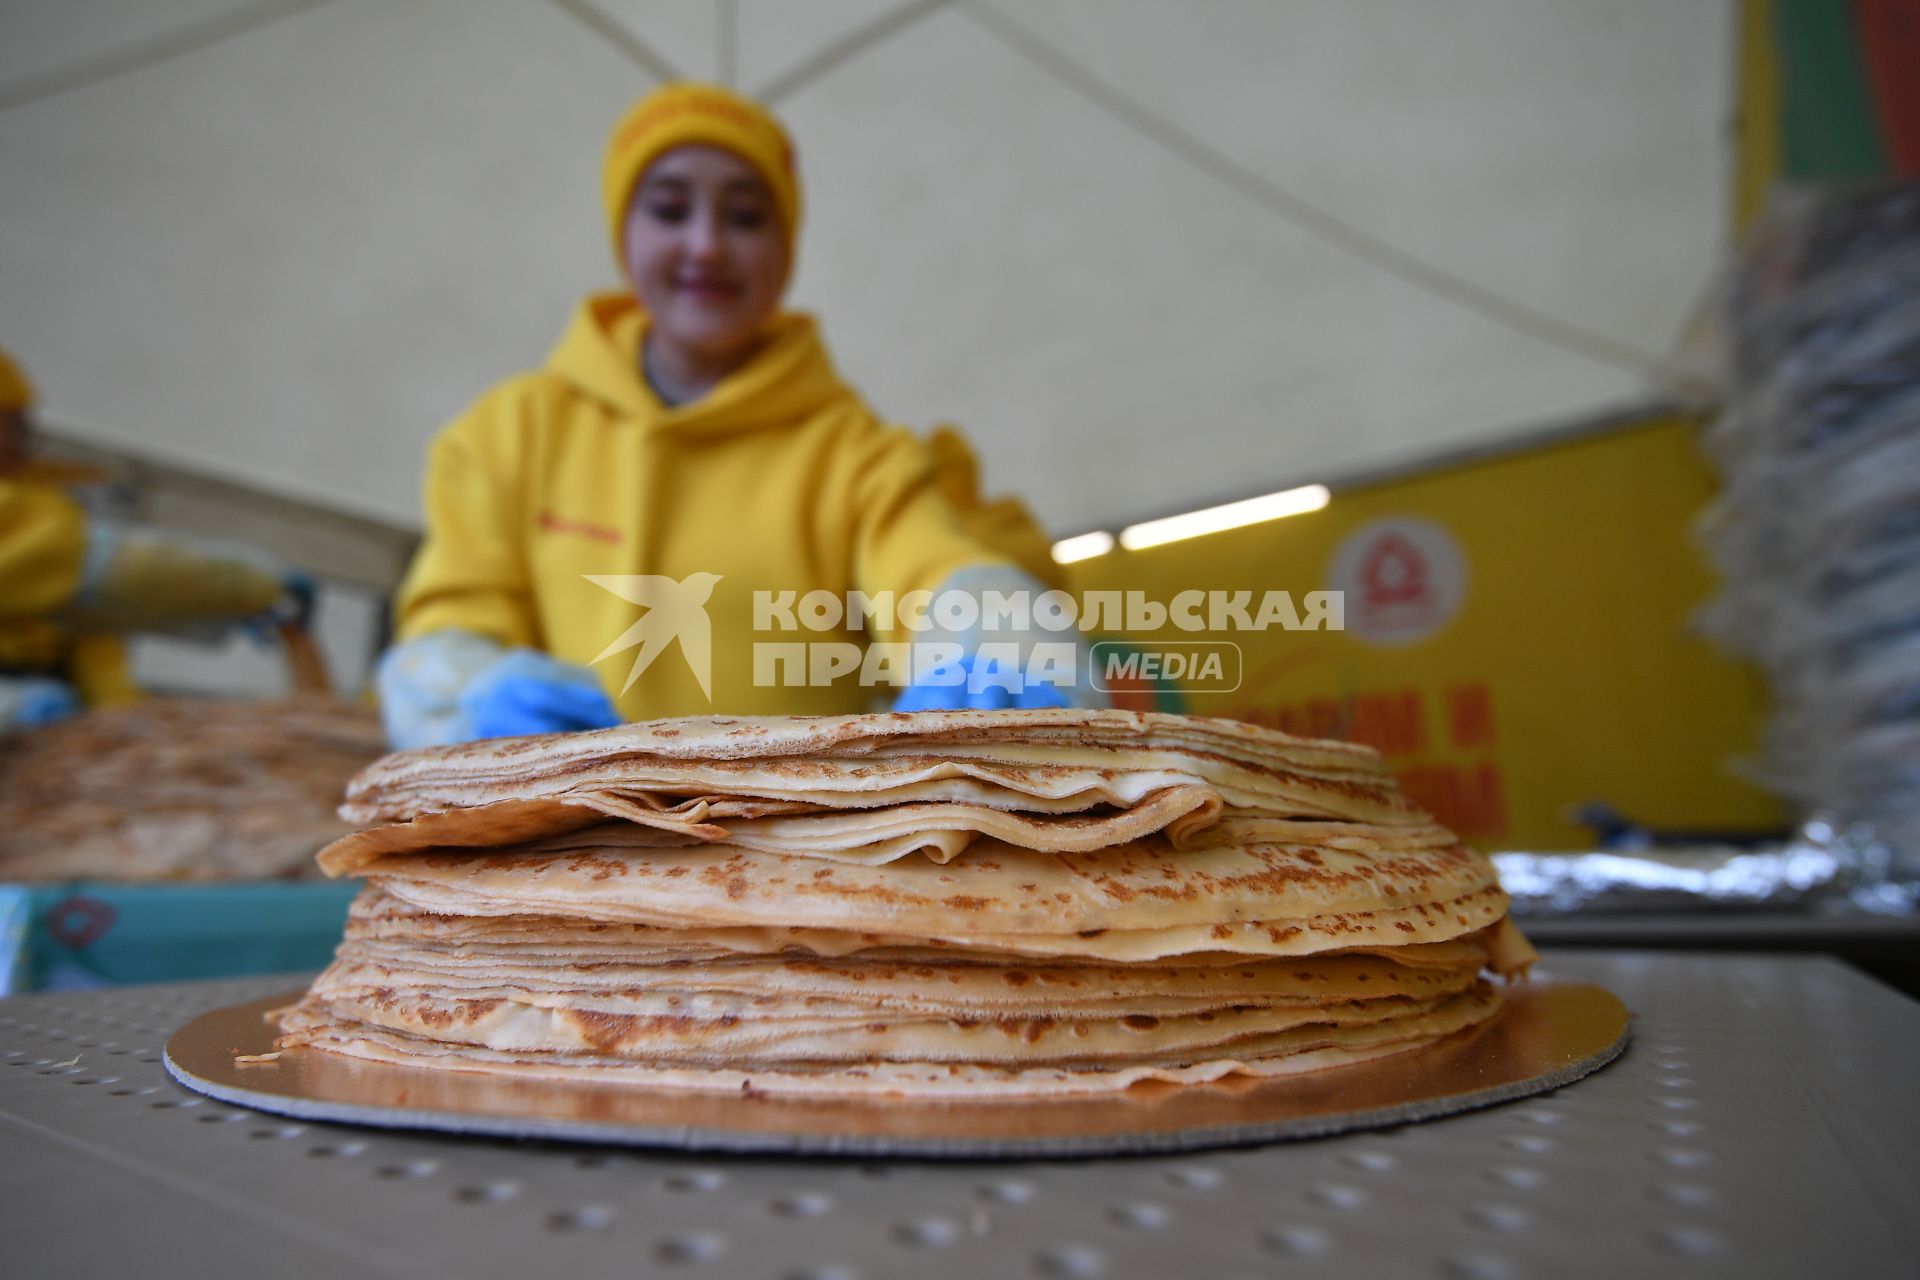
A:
1516, 639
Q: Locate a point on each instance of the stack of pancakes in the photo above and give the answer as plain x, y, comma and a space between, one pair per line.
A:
971, 903
181, 789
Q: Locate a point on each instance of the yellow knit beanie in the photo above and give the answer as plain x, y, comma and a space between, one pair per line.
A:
687, 111
15, 391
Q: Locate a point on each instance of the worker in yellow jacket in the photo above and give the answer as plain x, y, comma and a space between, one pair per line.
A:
625, 532
71, 584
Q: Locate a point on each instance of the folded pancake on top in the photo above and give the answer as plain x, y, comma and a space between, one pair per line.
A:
1035, 778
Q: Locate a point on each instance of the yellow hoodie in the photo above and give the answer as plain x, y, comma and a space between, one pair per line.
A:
43, 535
778, 480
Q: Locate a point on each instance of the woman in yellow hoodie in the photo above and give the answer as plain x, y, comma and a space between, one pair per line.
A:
625, 532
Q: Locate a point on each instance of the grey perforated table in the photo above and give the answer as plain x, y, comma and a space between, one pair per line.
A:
1766, 1122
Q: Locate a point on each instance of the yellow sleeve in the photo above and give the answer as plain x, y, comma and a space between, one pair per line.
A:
1003, 523
907, 536
470, 572
43, 536
98, 667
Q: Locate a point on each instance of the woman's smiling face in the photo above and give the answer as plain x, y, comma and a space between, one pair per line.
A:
705, 251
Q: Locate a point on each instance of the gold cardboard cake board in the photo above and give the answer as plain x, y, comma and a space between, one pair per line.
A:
1548, 1034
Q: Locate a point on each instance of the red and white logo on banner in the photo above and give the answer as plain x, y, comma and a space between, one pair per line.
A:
1404, 578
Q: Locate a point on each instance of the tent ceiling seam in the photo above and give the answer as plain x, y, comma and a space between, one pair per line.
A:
855, 42
1385, 256
609, 29
138, 56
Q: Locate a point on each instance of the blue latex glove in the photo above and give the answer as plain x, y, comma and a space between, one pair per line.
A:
297, 593
26, 702
420, 682
975, 680
936, 690
295, 607
530, 692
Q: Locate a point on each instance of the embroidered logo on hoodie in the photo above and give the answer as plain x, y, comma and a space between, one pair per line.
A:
551, 523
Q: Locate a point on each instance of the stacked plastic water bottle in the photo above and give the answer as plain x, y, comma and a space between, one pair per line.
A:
1817, 532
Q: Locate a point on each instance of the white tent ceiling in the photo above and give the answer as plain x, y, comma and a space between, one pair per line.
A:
1147, 254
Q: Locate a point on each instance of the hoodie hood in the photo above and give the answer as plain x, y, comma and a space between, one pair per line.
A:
788, 379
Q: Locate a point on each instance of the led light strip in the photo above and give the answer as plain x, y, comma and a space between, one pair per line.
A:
1193, 524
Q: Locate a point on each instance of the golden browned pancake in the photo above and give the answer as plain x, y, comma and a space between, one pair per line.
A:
1032, 777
